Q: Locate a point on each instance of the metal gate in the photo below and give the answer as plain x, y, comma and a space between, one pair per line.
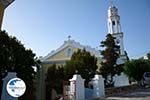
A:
69, 90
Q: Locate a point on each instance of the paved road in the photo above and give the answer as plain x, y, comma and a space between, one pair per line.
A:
139, 94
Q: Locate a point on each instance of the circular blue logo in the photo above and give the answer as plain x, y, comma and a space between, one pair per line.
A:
16, 87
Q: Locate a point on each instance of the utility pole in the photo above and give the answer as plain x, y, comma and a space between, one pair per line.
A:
3, 5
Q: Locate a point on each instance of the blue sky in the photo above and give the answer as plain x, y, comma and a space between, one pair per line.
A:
43, 25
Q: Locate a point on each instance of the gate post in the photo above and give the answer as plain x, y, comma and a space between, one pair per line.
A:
77, 89
5, 95
98, 86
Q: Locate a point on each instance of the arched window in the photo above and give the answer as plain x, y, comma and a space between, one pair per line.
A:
69, 52
113, 22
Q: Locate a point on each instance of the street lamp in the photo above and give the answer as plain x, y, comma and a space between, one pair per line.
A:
3, 5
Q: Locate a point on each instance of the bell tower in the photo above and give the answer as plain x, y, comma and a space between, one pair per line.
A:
113, 20
114, 28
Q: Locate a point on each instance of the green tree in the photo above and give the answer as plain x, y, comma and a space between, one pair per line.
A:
148, 56
15, 57
54, 80
83, 62
110, 55
135, 68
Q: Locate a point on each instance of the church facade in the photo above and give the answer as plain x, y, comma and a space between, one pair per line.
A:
59, 57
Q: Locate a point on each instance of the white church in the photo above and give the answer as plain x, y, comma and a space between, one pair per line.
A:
65, 51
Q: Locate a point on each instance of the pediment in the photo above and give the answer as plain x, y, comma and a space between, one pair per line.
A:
63, 51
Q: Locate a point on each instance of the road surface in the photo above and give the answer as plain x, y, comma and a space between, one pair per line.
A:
139, 94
